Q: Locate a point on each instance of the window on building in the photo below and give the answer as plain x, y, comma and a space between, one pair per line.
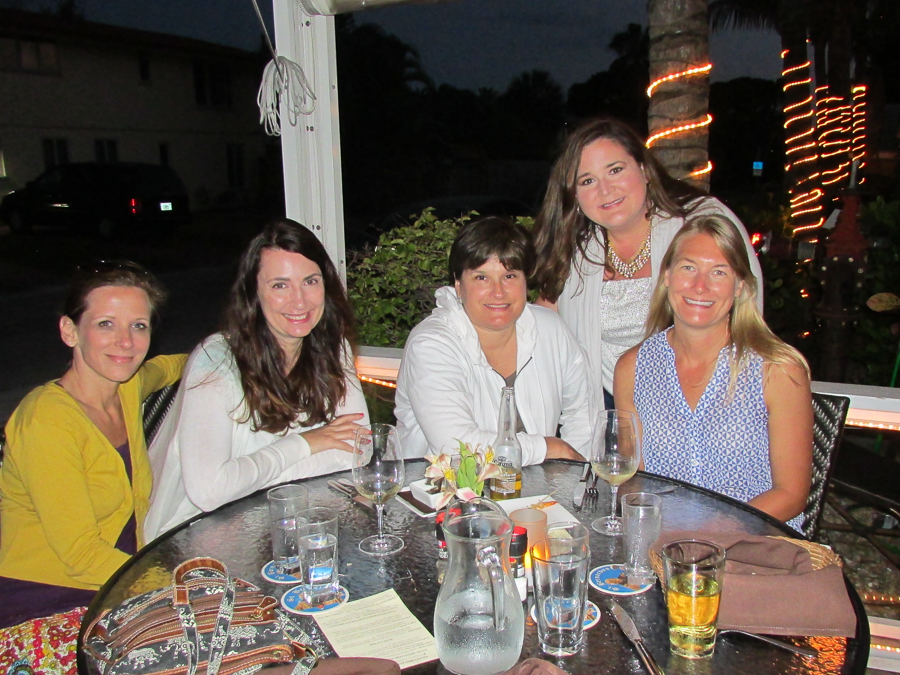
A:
56, 151
235, 157
106, 150
28, 55
212, 84
164, 154
144, 66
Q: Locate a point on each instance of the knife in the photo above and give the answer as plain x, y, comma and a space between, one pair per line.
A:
578, 497
350, 492
626, 623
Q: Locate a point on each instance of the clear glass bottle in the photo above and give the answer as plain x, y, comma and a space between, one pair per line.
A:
507, 451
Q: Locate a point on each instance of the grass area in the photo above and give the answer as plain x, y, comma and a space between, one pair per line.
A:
47, 256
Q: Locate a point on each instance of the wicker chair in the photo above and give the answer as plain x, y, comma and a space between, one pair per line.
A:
829, 414
156, 405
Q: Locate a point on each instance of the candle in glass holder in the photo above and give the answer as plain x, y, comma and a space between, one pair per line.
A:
535, 522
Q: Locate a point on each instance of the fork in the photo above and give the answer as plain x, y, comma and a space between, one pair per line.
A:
592, 493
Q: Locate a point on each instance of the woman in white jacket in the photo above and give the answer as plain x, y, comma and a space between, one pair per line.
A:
484, 336
272, 398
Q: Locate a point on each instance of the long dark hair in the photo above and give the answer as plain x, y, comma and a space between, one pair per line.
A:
561, 229
316, 384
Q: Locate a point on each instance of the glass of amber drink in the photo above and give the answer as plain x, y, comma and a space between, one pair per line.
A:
693, 574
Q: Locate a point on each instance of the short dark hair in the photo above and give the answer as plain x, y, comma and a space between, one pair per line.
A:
479, 240
99, 273
316, 385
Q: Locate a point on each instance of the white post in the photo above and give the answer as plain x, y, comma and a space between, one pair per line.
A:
311, 151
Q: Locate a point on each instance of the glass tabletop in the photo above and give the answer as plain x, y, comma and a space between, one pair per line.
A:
238, 535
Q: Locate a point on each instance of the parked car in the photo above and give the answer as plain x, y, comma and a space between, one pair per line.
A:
105, 198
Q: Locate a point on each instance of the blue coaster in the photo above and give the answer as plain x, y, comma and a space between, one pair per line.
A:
270, 573
293, 602
591, 615
611, 579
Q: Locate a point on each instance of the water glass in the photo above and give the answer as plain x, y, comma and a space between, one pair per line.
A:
642, 512
317, 534
560, 565
285, 503
694, 571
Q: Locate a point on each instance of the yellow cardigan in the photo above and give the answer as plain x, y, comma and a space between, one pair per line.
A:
64, 493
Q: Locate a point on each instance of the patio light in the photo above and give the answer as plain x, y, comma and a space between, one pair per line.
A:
689, 126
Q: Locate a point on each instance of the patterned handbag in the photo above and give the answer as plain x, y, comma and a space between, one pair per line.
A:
204, 621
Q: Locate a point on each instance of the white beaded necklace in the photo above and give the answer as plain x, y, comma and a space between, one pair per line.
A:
628, 268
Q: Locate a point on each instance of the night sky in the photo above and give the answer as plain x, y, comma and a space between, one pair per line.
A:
465, 43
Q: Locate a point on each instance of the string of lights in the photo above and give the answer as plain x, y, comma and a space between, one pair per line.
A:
665, 133
702, 170
858, 141
801, 145
688, 126
834, 126
879, 599
699, 70
374, 380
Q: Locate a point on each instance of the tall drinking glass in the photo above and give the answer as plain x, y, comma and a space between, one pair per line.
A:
642, 512
285, 503
378, 475
694, 571
615, 457
560, 564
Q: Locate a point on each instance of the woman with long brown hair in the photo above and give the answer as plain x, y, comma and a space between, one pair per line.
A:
274, 396
608, 216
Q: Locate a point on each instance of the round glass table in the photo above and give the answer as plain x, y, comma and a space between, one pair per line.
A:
238, 535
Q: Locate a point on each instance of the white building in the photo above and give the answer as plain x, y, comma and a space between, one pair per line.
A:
72, 90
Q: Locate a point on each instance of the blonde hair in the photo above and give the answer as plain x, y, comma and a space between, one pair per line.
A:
748, 331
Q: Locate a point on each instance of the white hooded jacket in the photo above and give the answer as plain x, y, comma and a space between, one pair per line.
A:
447, 390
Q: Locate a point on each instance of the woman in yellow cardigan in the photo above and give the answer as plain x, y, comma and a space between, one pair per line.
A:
75, 481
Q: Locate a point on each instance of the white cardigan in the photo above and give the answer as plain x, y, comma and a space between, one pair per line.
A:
580, 300
203, 456
447, 390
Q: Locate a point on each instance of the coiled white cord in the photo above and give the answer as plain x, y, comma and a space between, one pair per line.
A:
284, 81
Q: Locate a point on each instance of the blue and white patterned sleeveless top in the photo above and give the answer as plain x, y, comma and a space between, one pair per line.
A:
722, 445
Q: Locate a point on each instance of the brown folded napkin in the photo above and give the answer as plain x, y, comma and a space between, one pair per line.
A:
770, 587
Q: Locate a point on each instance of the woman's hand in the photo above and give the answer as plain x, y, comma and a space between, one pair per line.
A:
334, 435
557, 448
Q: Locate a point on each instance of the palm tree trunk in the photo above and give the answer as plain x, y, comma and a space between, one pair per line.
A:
679, 41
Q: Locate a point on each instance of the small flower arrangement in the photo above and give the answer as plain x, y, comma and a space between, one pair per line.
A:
465, 482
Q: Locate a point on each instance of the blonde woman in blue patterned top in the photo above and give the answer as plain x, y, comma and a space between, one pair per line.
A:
723, 403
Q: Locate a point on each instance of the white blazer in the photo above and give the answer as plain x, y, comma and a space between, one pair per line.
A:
447, 390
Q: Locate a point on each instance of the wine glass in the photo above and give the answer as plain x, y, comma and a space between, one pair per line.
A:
615, 457
378, 476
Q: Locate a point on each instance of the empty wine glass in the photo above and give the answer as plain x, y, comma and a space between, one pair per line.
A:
615, 457
378, 476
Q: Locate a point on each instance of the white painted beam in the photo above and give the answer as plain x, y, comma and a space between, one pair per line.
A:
311, 150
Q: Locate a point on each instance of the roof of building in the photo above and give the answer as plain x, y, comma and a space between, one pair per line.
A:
60, 29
